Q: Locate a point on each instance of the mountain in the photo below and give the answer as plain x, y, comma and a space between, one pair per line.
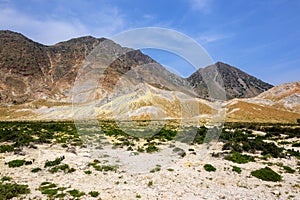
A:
107, 81
278, 104
31, 71
237, 83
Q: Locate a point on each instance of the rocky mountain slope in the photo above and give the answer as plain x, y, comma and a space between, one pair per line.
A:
108, 81
30, 71
237, 83
279, 104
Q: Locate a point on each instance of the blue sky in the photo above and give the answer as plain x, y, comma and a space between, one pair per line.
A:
261, 37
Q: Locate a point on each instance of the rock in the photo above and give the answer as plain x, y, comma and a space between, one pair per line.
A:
32, 146
71, 150
276, 192
19, 151
87, 155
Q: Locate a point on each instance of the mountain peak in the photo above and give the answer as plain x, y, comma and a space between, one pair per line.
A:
82, 40
237, 84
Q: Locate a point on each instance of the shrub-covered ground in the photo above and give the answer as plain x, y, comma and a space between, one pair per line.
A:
248, 152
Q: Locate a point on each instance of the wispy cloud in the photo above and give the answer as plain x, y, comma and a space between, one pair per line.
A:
204, 6
212, 37
53, 30
49, 31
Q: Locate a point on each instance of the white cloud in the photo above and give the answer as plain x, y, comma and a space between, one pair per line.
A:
212, 37
53, 30
201, 5
47, 32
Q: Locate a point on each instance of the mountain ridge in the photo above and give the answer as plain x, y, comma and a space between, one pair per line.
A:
48, 72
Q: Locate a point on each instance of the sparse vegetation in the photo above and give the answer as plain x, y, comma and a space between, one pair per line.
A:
16, 163
55, 162
239, 158
288, 169
151, 148
209, 168
24, 133
97, 167
88, 172
150, 183
266, 174
6, 148
94, 193
64, 167
11, 190
6, 178
156, 169
236, 169
51, 190
35, 170
76, 193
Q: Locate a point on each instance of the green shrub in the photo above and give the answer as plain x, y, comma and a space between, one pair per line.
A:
236, 169
266, 174
65, 168
51, 190
6, 178
76, 193
296, 144
105, 168
35, 170
55, 162
288, 169
292, 152
88, 172
239, 158
6, 148
156, 169
150, 183
209, 168
151, 148
9, 190
298, 120
16, 163
94, 193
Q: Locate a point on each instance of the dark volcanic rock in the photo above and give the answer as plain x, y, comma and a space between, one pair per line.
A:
237, 83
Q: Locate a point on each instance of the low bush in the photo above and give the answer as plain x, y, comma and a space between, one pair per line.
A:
94, 193
35, 170
65, 168
11, 190
288, 169
156, 169
209, 168
96, 166
239, 158
55, 162
88, 172
16, 163
6, 148
150, 183
266, 174
76, 193
296, 144
236, 169
6, 178
151, 148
